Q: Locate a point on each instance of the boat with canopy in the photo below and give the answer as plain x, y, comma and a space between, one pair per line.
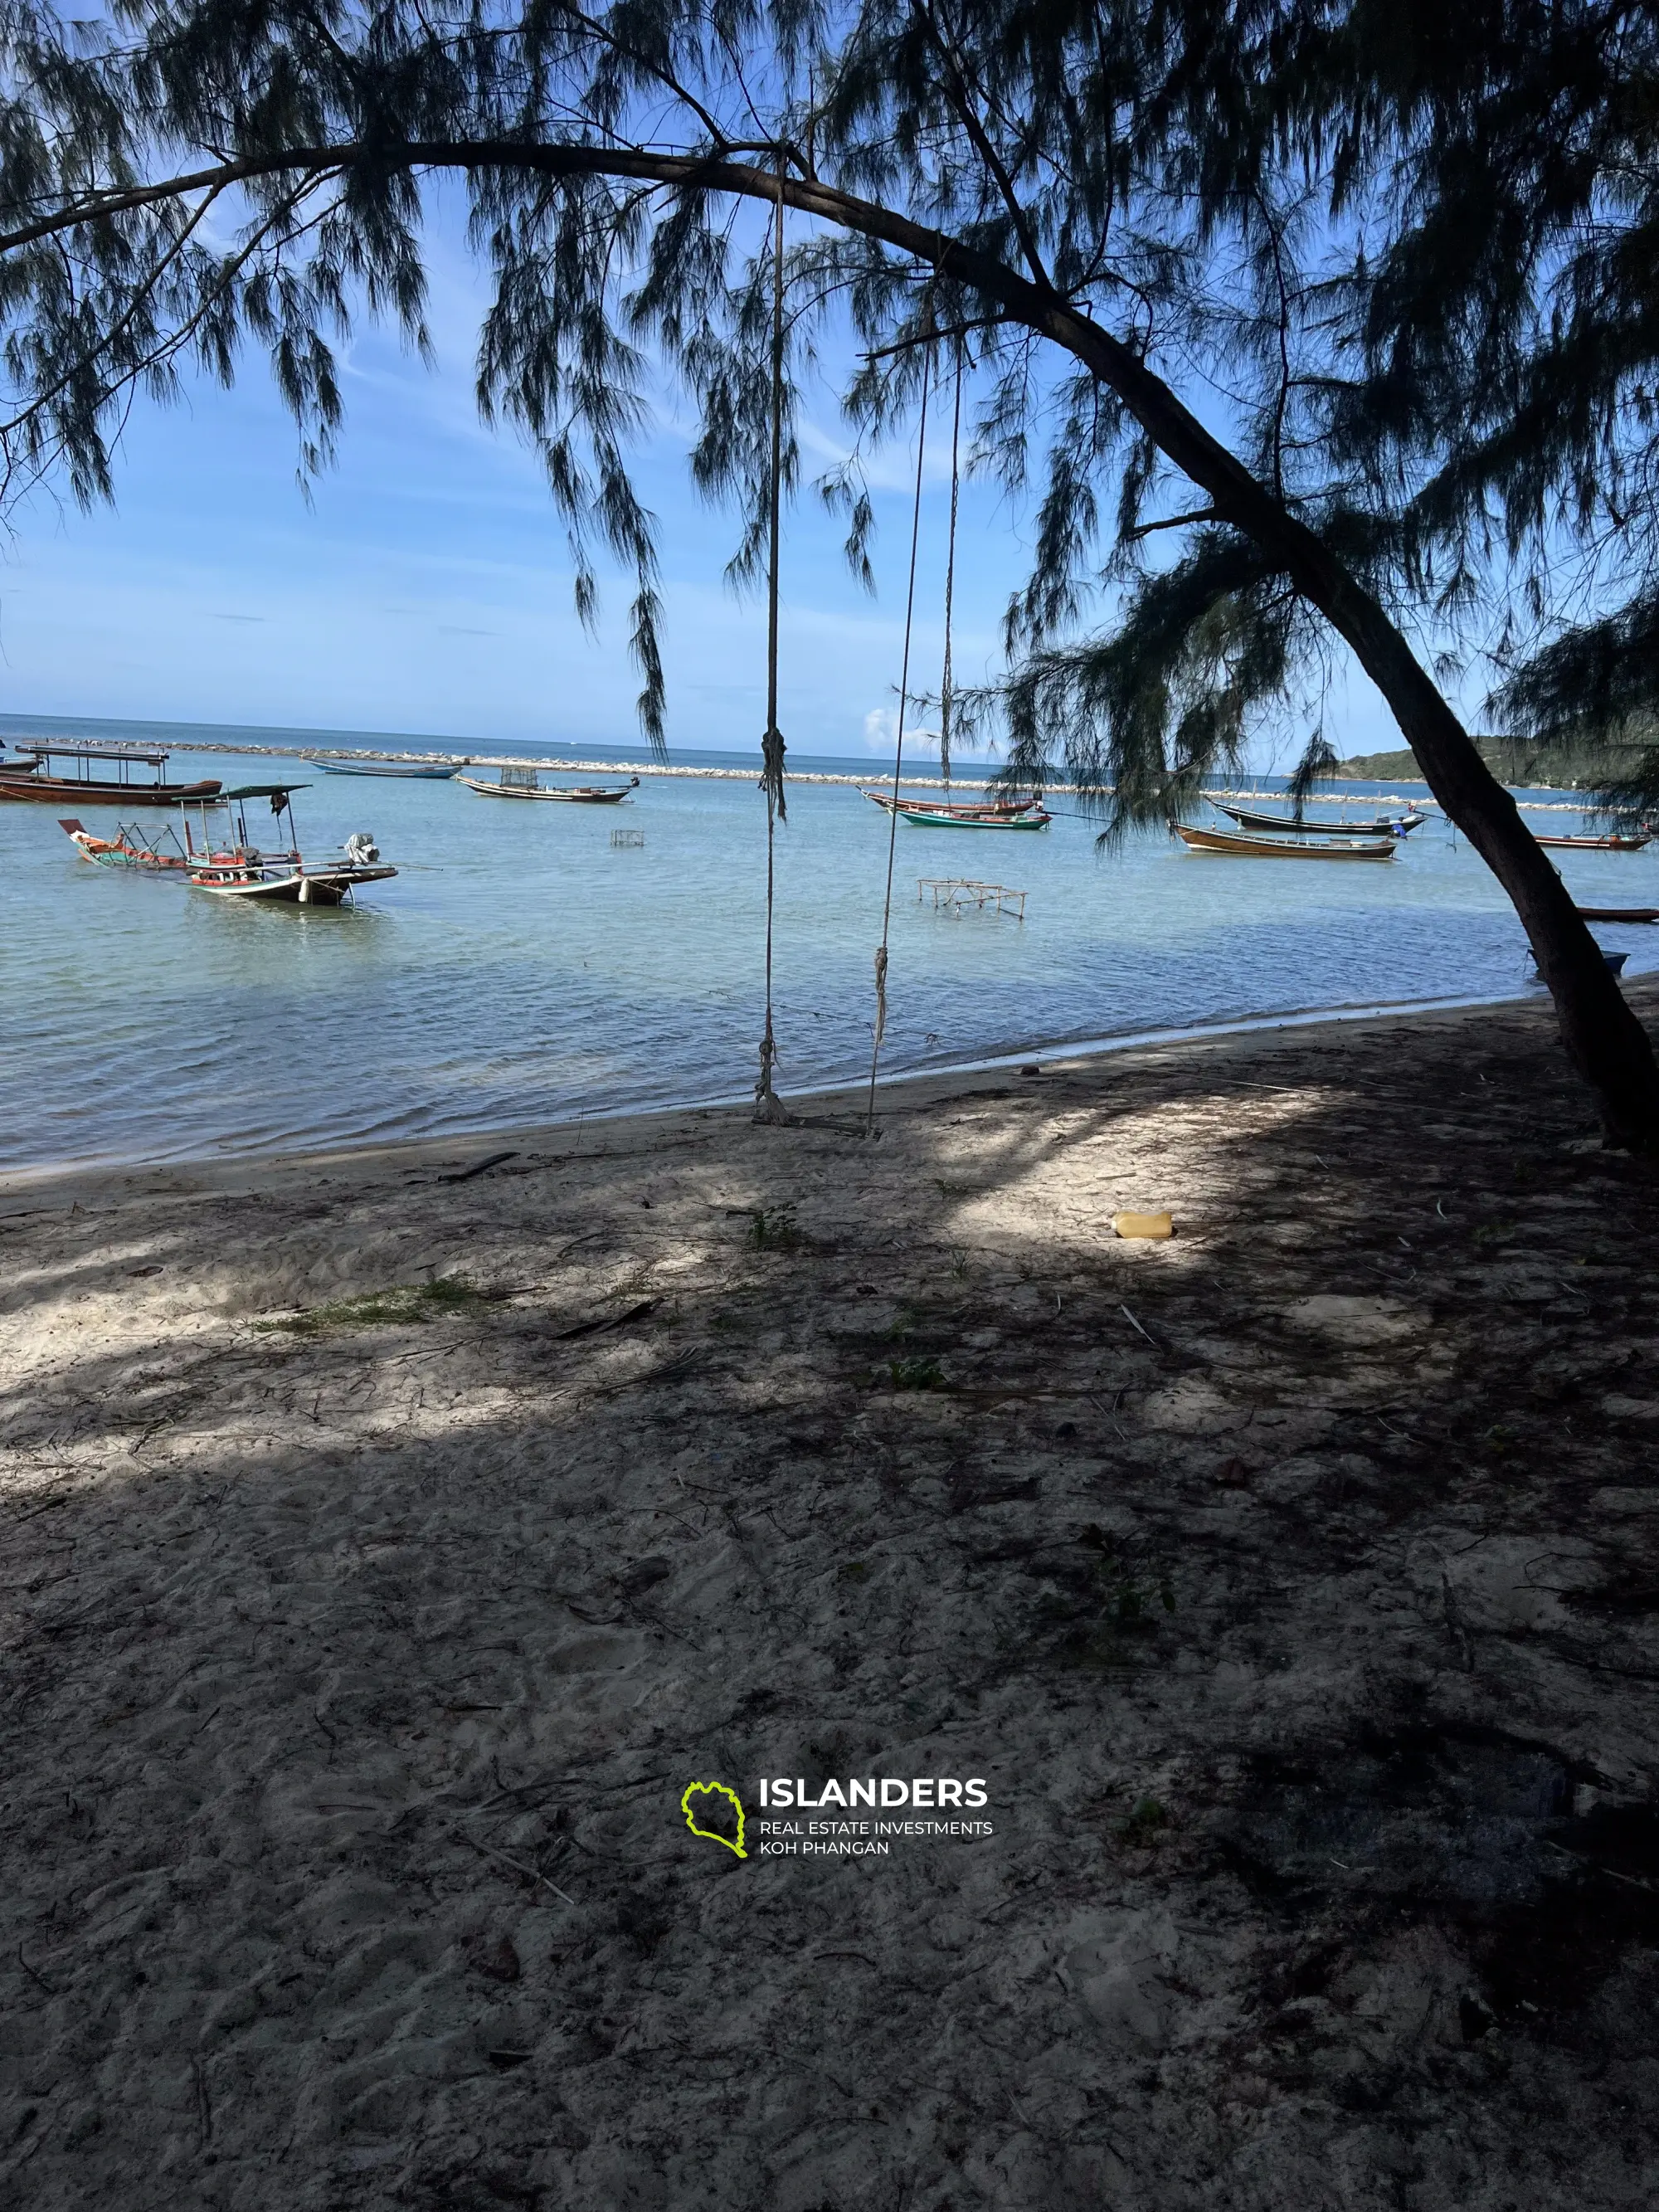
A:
1615, 842
233, 866
243, 870
118, 785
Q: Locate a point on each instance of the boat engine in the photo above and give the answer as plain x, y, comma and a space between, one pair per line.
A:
361, 849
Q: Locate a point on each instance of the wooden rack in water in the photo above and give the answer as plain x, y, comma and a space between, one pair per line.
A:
957, 893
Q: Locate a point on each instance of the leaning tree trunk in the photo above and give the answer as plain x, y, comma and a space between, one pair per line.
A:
1604, 1037
1607, 1042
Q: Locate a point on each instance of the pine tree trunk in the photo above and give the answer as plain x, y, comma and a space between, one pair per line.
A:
1606, 1041
1603, 1037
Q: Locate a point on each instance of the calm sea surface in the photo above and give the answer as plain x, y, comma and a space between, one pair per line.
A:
521, 969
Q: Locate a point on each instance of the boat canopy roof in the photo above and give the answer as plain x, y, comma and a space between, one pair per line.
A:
48, 750
263, 790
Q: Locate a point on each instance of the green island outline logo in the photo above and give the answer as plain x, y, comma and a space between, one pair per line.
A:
708, 1788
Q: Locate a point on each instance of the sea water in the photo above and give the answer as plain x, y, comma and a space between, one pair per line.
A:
520, 968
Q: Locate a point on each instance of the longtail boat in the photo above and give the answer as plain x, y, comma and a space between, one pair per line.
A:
129, 848
936, 818
409, 771
284, 878
1275, 848
523, 783
1618, 912
1615, 842
1394, 825
37, 781
967, 810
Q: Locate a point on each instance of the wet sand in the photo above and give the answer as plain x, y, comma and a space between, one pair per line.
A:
1291, 1587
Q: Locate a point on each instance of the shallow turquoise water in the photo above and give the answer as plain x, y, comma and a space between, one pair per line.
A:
520, 968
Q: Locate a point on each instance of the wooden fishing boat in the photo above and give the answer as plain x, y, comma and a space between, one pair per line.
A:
37, 781
966, 809
129, 848
1614, 841
1032, 816
406, 771
522, 783
1395, 826
1274, 848
284, 877
1618, 912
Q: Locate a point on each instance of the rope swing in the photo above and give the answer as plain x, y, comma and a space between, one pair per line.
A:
946, 684
881, 1025
768, 1106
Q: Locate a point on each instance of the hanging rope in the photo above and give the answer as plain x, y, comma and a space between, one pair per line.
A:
768, 1108
946, 686
898, 756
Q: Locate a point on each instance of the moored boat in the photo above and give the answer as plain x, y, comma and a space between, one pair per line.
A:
963, 809
523, 783
129, 848
407, 771
1618, 912
284, 877
935, 818
1393, 825
1272, 848
37, 781
1616, 841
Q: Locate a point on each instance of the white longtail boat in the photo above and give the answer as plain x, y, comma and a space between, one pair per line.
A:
1231, 843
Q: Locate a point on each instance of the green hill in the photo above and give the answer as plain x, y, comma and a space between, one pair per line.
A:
1514, 761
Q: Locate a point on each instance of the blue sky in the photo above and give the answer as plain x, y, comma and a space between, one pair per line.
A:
426, 587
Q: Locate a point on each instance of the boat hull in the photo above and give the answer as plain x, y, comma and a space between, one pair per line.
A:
1219, 842
293, 887
117, 852
59, 789
404, 771
1619, 912
1286, 825
1611, 844
921, 817
580, 798
966, 809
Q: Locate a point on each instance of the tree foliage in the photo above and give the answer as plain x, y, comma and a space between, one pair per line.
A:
1399, 259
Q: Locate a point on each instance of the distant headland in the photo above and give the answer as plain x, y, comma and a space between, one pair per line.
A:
1519, 760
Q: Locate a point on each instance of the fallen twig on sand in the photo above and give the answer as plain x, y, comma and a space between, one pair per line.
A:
517, 1866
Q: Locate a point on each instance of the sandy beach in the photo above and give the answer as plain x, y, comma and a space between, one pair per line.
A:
392, 1537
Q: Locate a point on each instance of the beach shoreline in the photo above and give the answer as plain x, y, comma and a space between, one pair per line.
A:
1051, 1055
393, 1538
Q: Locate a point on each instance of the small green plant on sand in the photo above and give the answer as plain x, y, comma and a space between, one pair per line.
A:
917, 1374
409, 1302
774, 1229
1144, 1822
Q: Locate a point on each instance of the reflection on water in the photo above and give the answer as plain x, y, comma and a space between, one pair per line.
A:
522, 969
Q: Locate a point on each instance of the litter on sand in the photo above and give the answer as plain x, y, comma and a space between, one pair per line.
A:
1143, 1224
